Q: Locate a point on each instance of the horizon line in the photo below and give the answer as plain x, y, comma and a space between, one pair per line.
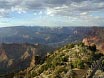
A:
46, 26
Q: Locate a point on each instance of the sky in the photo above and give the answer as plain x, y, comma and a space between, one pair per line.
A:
51, 13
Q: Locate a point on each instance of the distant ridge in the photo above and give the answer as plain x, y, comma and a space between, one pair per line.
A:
44, 35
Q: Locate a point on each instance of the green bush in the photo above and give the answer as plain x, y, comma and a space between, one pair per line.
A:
34, 74
78, 64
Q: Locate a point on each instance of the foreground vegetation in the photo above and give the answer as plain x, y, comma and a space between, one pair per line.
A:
70, 61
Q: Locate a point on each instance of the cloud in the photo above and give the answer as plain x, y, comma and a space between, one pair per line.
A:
81, 9
56, 6
75, 8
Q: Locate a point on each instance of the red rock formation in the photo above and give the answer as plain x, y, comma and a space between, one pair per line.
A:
86, 41
94, 40
3, 55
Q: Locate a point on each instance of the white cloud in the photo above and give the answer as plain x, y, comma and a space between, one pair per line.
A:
79, 9
60, 7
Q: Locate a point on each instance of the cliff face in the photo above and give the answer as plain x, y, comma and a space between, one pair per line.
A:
99, 42
3, 55
96, 36
15, 57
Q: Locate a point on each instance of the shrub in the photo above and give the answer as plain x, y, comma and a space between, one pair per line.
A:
92, 47
78, 64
